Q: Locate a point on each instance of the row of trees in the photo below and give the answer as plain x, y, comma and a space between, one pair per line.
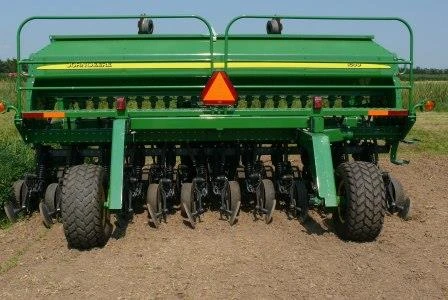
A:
430, 71
8, 66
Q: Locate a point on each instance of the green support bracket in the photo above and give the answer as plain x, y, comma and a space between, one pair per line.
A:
318, 148
317, 124
115, 197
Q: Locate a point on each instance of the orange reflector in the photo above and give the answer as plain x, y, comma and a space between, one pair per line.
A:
2, 107
429, 105
44, 115
219, 90
388, 113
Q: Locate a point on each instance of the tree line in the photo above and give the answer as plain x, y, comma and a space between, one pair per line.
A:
430, 71
8, 66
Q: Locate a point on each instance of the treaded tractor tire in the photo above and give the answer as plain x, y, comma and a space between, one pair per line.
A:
86, 222
360, 215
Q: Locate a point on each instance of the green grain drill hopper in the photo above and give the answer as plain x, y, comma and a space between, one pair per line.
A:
190, 123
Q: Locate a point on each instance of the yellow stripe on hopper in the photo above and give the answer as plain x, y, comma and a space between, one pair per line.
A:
206, 65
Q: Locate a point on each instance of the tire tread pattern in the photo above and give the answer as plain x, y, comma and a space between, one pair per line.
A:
366, 201
82, 207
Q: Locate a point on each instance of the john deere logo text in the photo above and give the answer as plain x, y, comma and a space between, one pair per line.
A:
89, 65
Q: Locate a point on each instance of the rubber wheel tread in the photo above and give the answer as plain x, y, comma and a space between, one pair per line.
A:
82, 207
50, 196
361, 217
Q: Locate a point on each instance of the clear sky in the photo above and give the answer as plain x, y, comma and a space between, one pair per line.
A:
428, 18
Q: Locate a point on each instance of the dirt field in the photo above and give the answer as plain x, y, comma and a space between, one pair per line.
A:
249, 260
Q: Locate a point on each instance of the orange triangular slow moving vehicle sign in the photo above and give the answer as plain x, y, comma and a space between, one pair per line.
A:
219, 90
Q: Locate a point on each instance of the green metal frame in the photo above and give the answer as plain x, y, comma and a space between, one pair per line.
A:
409, 61
318, 148
20, 62
311, 129
115, 196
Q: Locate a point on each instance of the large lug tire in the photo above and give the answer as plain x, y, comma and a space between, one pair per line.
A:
360, 214
85, 219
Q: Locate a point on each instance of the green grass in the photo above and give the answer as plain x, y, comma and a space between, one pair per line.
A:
7, 90
430, 129
11, 262
16, 158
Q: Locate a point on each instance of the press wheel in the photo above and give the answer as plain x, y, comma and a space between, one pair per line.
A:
154, 203
188, 203
266, 199
47, 206
299, 200
13, 205
234, 201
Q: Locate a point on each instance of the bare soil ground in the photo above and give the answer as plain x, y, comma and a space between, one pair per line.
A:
249, 260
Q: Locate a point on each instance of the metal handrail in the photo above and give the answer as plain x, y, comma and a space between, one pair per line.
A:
410, 60
111, 17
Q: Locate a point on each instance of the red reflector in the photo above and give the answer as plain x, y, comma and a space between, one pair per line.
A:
219, 90
387, 113
317, 102
398, 113
121, 104
2, 107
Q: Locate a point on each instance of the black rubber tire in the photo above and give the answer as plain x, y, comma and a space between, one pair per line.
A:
235, 201
153, 197
188, 203
9, 208
14, 203
406, 213
397, 191
185, 197
360, 214
47, 206
58, 199
86, 221
154, 203
269, 199
17, 190
302, 199
50, 197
